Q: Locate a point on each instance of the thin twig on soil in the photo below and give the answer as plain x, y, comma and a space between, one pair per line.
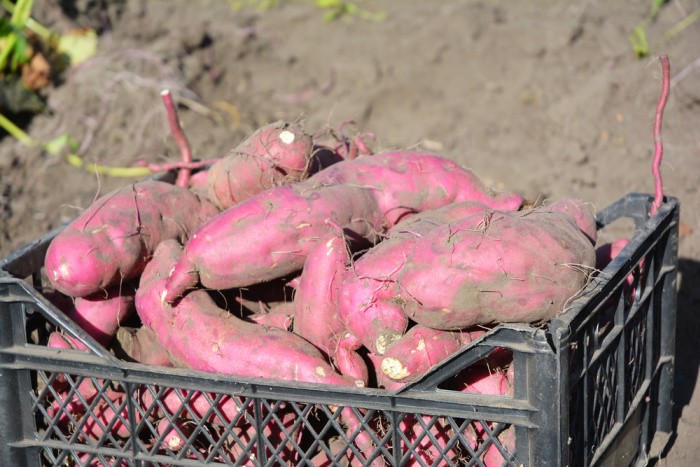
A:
685, 72
183, 176
658, 146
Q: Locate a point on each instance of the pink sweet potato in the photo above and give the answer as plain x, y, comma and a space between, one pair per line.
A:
366, 303
377, 377
421, 348
113, 409
497, 266
488, 380
483, 379
276, 154
199, 335
316, 300
428, 439
347, 359
98, 314
607, 252
174, 433
112, 240
406, 182
582, 213
270, 235
277, 315
351, 364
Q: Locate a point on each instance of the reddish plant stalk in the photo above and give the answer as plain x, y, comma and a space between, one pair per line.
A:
177, 165
183, 175
658, 146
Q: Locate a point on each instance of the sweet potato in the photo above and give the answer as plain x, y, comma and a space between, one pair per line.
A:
199, 335
428, 440
351, 364
607, 252
421, 348
487, 380
270, 235
276, 154
112, 240
141, 345
316, 300
113, 409
277, 315
100, 314
366, 303
497, 266
174, 433
406, 182
377, 378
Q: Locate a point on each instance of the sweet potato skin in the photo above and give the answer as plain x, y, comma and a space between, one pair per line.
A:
276, 154
199, 335
270, 235
366, 303
406, 182
112, 240
141, 345
421, 348
316, 299
496, 266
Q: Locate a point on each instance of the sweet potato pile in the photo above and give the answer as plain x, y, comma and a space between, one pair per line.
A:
299, 260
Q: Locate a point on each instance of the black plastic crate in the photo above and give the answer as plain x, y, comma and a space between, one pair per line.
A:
592, 387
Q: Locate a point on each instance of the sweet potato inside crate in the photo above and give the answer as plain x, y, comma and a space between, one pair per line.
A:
591, 387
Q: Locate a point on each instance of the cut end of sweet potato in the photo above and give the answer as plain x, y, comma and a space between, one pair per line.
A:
384, 340
393, 368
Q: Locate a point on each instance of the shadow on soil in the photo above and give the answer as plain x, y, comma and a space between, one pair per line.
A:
687, 358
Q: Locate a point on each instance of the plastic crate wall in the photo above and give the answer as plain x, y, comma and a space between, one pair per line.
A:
592, 387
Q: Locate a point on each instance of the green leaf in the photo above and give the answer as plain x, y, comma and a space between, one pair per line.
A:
20, 15
655, 7
638, 41
19, 54
78, 46
56, 145
5, 27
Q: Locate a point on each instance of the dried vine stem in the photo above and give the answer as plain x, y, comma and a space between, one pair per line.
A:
177, 165
183, 176
658, 146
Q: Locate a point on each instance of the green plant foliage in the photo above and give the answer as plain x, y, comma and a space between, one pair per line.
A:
334, 9
638, 38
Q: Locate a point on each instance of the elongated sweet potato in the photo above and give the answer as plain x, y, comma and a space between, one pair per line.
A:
112, 240
496, 266
316, 315
199, 335
348, 360
406, 182
270, 235
276, 154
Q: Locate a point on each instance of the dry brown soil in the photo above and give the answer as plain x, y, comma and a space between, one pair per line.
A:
541, 97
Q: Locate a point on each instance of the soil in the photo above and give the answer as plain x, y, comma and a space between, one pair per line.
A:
542, 97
